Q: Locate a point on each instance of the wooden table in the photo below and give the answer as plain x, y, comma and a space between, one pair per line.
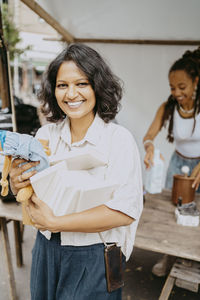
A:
11, 212
159, 232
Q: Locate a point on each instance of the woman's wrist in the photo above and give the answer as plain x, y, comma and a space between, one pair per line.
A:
51, 223
148, 145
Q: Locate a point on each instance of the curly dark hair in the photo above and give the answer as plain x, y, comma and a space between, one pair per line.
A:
107, 86
190, 63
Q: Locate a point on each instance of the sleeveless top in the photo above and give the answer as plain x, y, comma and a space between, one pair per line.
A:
187, 142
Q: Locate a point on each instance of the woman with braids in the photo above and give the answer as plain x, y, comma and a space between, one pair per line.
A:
182, 114
80, 97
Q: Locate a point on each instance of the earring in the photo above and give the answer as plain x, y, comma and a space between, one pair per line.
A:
194, 94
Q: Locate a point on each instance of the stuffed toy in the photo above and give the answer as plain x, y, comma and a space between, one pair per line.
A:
16, 145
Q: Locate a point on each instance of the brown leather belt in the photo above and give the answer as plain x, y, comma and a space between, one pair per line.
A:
181, 155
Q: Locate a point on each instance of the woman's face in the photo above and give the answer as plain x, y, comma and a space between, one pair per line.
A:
182, 86
73, 92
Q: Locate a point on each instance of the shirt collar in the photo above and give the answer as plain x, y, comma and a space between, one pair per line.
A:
92, 136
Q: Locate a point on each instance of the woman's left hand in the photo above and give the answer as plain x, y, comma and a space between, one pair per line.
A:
41, 214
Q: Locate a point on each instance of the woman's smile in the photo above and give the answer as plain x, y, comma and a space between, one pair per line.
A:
74, 104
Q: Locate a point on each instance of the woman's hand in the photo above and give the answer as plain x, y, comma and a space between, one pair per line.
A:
41, 214
19, 179
196, 182
151, 134
148, 159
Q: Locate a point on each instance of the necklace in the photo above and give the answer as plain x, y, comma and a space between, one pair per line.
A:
186, 111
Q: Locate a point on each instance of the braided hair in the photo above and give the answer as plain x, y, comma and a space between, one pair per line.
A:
190, 63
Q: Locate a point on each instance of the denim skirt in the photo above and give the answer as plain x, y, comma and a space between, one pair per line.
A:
175, 165
68, 272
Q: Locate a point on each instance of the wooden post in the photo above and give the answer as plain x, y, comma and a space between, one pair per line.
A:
5, 77
166, 291
18, 243
12, 285
3, 90
4, 86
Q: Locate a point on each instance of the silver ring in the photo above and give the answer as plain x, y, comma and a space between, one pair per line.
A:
20, 178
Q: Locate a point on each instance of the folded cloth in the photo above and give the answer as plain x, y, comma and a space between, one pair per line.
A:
24, 146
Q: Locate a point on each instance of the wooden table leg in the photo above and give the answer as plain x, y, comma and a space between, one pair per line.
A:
18, 243
167, 288
13, 293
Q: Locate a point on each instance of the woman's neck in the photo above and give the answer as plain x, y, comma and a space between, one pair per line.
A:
189, 105
79, 128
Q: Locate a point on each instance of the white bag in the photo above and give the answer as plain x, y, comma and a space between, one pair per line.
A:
154, 175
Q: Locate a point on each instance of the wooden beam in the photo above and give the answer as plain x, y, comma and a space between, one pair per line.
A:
121, 41
138, 41
125, 41
49, 19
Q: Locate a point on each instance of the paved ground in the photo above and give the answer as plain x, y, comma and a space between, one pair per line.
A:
140, 284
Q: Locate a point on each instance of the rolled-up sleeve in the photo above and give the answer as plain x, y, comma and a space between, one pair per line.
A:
124, 168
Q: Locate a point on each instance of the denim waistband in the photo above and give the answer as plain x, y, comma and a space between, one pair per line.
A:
181, 155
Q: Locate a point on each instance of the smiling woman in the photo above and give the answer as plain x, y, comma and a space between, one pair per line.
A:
181, 112
80, 96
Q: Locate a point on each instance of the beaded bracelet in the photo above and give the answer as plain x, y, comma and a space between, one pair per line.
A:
148, 141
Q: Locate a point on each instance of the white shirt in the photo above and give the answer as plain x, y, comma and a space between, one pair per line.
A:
186, 142
120, 150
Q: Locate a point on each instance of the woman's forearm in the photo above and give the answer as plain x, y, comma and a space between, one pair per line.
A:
96, 219
155, 126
